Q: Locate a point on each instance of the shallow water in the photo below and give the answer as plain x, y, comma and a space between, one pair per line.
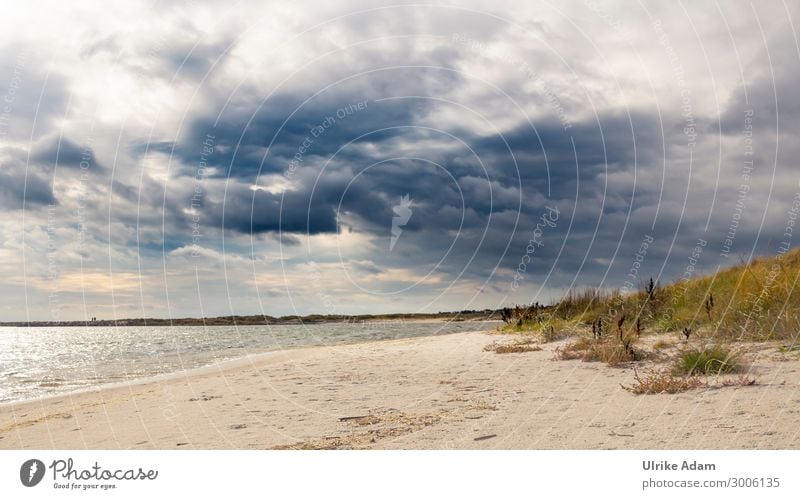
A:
48, 360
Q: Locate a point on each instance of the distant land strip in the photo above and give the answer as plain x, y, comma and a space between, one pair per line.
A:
266, 320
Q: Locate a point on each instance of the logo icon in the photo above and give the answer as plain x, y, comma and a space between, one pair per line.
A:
31, 472
402, 213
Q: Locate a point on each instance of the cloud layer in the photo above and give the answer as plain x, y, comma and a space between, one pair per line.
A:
202, 159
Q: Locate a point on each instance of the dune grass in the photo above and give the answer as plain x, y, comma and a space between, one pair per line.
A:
757, 300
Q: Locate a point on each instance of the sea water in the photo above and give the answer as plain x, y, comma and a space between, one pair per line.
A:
40, 361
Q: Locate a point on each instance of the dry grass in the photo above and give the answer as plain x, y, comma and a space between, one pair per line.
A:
662, 345
583, 303
574, 350
609, 351
737, 382
659, 382
656, 382
519, 346
516, 348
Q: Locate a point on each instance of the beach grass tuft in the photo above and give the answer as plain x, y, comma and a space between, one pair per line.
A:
712, 359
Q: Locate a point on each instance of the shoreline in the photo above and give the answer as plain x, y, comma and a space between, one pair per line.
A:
431, 392
218, 366
155, 378
213, 362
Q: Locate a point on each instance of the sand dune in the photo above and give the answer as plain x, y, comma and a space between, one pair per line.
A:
435, 392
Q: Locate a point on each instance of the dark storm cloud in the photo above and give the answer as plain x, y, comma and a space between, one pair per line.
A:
32, 99
482, 201
21, 189
253, 133
612, 141
63, 152
249, 211
469, 222
461, 195
242, 135
484, 214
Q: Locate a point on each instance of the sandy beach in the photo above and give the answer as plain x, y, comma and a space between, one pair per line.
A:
439, 392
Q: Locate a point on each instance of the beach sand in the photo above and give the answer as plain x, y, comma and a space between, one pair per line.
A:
440, 392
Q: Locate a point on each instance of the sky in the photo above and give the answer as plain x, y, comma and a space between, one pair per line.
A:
174, 159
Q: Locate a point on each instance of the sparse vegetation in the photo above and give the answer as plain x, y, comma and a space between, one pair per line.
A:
739, 381
536, 320
575, 349
655, 382
524, 345
519, 315
794, 347
517, 348
661, 345
754, 301
611, 351
513, 348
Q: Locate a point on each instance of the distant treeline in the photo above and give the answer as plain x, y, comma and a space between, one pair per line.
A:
262, 320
